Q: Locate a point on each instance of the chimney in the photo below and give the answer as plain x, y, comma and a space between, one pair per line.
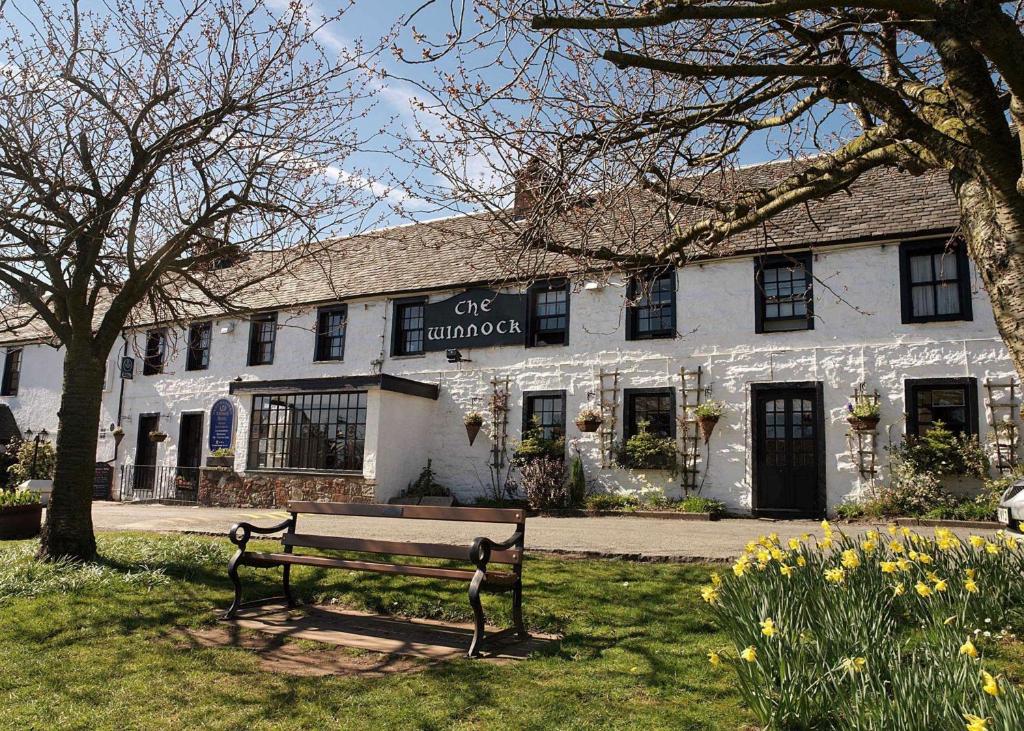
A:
529, 189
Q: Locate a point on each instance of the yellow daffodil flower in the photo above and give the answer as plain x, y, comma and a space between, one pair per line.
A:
896, 547
715, 659
940, 585
869, 546
902, 564
992, 548
892, 528
925, 559
768, 627
923, 589
898, 590
709, 594
854, 665
971, 586
785, 570
794, 544
801, 561
990, 685
872, 535
970, 573
749, 654
976, 723
976, 541
826, 543
836, 575
968, 649
716, 580
850, 559
888, 567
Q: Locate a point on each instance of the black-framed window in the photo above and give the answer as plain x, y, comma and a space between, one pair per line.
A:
12, 372
784, 293
547, 409
953, 401
156, 352
652, 310
935, 282
198, 356
262, 335
408, 337
331, 323
656, 406
308, 431
549, 314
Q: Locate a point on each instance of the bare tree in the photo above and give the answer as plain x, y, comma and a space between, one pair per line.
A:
662, 96
158, 160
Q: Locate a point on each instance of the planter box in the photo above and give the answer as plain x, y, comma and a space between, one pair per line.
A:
43, 488
21, 521
221, 462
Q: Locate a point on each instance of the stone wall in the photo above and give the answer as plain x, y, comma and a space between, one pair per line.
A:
227, 489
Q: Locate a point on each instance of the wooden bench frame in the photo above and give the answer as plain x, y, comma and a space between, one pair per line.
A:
482, 552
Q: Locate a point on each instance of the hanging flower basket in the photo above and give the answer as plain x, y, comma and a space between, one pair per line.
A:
473, 421
706, 424
157, 436
118, 433
863, 423
589, 420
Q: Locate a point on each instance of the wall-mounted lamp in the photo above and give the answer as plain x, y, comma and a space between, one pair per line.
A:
593, 286
453, 355
229, 328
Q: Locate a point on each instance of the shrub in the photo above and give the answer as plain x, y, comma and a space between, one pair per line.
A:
544, 481
942, 452
850, 510
878, 632
698, 504
425, 485
577, 482
14, 498
611, 501
45, 460
535, 446
644, 450
223, 452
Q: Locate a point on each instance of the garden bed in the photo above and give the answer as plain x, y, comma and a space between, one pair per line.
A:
943, 523
658, 514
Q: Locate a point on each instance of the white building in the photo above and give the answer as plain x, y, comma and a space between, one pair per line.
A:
341, 387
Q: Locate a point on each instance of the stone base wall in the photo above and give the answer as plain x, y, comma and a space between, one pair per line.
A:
227, 489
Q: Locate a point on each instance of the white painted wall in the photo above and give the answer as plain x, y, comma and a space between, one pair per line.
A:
858, 337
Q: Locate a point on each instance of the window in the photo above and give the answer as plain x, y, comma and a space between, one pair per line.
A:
198, 357
953, 401
549, 314
156, 351
408, 329
548, 409
262, 333
12, 373
330, 333
655, 406
652, 312
308, 431
784, 294
935, 281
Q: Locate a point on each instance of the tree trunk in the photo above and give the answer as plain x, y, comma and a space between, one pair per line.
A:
68, 531
995, 239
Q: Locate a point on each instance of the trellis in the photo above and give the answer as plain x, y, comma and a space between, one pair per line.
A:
499, 421
864, 442
692, 391
1003, 410
608, 402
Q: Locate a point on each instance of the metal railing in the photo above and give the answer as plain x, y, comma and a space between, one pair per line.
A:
156, 483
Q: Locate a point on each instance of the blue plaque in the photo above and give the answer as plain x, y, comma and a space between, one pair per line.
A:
222, 424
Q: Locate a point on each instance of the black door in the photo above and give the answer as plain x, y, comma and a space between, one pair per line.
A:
190, 453
789, 451
144, 477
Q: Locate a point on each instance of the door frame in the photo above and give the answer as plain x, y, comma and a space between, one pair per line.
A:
759, 389
180, 442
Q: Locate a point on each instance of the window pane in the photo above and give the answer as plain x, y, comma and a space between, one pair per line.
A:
654, 408
920, 269
947, 298
923, 300
311, 431
945, 266
547, 412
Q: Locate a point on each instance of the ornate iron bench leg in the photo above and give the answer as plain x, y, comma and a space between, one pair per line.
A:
517, 610
478, 614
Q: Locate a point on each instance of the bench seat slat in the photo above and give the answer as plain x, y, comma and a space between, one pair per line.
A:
436, 572
367, 545
418, 512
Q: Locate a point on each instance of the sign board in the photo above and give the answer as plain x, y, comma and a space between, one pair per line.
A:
222, 424
478, 318
127, 367
102, 481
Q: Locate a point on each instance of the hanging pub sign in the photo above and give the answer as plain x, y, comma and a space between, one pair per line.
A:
477, 318
222, 424
127, 367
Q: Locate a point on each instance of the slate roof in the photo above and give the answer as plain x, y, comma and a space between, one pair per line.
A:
475, 249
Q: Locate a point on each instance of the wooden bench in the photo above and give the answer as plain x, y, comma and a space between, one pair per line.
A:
480, 554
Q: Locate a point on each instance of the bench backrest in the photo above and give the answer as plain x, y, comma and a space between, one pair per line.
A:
511, 556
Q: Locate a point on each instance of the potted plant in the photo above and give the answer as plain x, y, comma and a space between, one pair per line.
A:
118, 433
646, 451
863, 414
223, 457
157, 436
589, 419
473, 421
21, 514
707, 414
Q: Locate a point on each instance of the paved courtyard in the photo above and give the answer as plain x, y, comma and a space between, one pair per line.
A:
621, 536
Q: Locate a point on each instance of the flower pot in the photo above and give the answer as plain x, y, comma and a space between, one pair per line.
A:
706, 424
472, 430
223, 462
589, 424
118, 437
863, 423
20, 521
157, 436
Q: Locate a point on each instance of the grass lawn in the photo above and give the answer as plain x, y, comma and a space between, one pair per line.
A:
100, 648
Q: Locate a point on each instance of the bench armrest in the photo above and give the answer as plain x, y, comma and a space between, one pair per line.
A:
480, 551
240, 533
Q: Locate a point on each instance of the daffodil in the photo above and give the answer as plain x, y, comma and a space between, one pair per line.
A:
850, 559
825, 526
741, 566
749, 654
826, 543
906, 532
968, 649
898, 590
716, 580
971, 573
1012, 543
888, 567
709, 594
777, 553
925, 559
794, 544
896, 547
940, 585
785, 570
714, 658
976, 541
992, 548
892, 529
976, 723
869, 546
853, 665
923, 589
768, 627
990, 685
902, 564
872, 535
971, 586
836, 575
801, 561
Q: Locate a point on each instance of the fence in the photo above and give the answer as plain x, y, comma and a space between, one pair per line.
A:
157, 483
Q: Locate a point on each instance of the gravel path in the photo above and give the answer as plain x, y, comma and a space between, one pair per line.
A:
629, 537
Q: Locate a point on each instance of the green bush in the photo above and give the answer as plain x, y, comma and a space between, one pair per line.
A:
577, 482
611, 501
425, 485
942, 452
544, 481
535, 446
645, 451
44, 459
14, 498
630, 503
698, 504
